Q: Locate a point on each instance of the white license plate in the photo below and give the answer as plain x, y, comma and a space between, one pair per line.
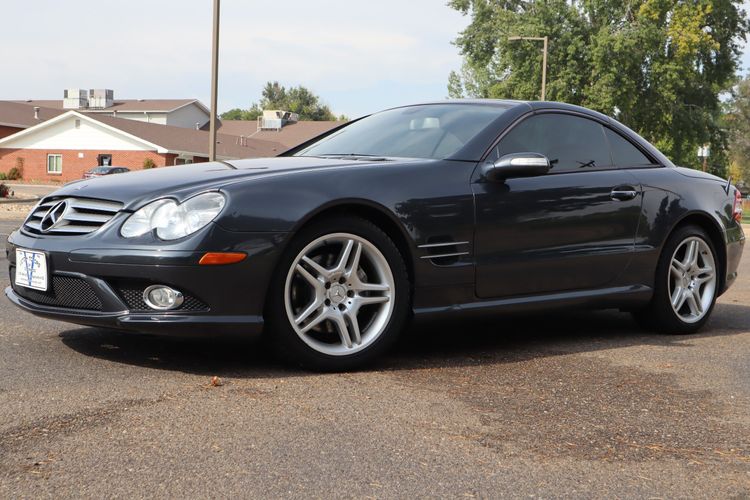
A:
31, 269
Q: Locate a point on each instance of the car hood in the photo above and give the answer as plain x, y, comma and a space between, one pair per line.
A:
135, 188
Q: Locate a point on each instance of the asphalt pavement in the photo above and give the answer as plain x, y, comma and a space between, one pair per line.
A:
6, 227
564, 404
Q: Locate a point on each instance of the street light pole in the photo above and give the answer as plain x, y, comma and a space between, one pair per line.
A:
544, 70
544, 58
214, 83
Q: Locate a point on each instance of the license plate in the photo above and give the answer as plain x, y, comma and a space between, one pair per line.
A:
31, 269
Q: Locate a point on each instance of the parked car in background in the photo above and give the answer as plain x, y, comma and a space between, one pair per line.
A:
434, 210
104, 170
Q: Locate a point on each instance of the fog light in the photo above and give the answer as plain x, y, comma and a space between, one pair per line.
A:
162, 297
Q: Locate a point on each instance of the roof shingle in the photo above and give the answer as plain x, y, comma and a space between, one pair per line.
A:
290, 135
152, 105
13, 114
193, 141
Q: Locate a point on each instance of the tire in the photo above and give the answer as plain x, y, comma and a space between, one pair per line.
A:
340, 296
693, 284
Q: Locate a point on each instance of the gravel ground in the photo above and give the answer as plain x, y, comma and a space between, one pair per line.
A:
12, 212
564, 404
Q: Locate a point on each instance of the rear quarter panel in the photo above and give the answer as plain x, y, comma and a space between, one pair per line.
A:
669, 197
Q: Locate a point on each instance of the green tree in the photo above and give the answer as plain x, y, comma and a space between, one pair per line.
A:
298, 100
738, 123
242, 114
273, 94
659, 66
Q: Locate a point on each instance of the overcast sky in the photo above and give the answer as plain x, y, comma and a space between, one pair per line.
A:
358, 55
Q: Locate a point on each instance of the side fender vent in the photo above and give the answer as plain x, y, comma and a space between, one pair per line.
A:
444, 253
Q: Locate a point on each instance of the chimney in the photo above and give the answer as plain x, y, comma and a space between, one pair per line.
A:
36, 112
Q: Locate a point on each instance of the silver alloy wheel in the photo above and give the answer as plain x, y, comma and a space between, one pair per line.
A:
339, 294
692, 279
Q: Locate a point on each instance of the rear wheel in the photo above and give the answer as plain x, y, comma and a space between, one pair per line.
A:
342, 295
686, 284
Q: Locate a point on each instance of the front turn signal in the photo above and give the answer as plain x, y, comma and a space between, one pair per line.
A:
221, 258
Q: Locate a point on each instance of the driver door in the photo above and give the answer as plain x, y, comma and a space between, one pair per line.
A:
565, 230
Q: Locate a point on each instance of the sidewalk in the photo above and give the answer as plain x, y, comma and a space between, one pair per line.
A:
31, 190
24, 198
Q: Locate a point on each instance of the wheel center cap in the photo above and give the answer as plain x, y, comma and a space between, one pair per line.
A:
337, 294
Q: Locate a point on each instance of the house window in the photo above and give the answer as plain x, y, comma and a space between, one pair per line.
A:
54, 164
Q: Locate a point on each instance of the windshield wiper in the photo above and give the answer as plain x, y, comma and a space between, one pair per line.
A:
353, 156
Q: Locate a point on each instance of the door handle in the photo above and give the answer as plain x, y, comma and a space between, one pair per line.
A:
623, 193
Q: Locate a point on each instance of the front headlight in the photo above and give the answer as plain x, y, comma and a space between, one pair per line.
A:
172, 220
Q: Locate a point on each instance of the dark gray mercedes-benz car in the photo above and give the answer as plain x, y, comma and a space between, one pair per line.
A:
447, 208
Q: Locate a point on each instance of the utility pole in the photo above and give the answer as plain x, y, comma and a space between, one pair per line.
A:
544, 58
214, 83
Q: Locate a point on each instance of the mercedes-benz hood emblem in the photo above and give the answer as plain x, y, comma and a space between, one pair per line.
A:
53, 216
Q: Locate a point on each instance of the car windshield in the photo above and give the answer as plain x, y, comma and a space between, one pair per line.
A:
429, 131
99, 170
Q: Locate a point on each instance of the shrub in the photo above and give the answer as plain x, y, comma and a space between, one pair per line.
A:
18, 169
3, 176
4, 191
15, 174
149, 163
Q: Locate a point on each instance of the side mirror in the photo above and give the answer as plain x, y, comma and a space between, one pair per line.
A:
517, 165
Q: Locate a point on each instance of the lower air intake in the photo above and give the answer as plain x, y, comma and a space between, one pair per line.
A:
64, 291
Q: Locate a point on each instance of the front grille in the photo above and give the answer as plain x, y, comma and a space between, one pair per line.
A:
132, 294
70, 216
64, 291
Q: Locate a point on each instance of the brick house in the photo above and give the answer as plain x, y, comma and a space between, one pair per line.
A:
63, 147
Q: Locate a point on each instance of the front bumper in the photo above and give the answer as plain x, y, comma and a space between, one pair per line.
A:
181, 324
98, 281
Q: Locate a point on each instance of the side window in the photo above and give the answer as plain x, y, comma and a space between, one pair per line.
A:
625, 154
571, 143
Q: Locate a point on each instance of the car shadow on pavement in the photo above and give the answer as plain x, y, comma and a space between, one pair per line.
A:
426, 345
520, 338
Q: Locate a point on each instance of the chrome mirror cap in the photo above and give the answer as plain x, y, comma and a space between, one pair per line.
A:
517, 165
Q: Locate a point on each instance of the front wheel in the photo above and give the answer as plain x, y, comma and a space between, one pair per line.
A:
686, 284
341, 296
